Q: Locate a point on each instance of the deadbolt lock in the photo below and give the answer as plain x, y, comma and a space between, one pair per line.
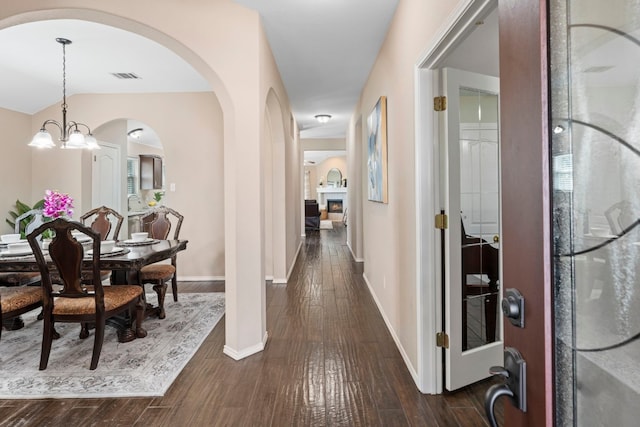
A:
513, 307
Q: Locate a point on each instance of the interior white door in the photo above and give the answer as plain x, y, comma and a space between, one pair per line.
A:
471, 187
106, 177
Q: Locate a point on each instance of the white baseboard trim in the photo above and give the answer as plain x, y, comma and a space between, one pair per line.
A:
200, 278
295, 259
238, 355
285, 280
406, 359
354, 255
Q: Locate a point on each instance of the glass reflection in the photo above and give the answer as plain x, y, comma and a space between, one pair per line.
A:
480, 220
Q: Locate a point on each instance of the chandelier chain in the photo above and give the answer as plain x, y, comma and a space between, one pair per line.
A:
64, 75
70, 134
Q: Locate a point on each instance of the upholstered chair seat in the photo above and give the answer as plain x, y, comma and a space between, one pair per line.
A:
17, 300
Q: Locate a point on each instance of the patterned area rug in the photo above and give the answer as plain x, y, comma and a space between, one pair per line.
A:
143, 367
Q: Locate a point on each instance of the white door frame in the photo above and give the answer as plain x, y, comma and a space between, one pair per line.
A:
428, 278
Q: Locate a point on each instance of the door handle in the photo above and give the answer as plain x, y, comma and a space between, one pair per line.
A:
514, 373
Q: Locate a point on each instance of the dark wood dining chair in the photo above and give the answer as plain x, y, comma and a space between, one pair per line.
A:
17, 300
106, 222
158, 223
17, 279
72, 301
24, 224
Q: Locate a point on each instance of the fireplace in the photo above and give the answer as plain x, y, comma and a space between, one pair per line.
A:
334, 206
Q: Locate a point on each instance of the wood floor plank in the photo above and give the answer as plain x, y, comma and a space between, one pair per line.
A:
469, 417
329, 361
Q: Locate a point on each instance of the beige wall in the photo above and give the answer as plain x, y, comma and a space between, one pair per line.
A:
226, 44
389, 229
15, 173
194, 164
338, 162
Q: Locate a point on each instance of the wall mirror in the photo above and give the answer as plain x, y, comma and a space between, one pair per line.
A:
334, 178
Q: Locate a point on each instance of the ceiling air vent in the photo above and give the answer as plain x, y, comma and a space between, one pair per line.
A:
126, 76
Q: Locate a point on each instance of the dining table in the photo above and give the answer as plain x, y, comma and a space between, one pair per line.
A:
124, 261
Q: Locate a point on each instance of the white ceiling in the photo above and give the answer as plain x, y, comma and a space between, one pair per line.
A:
31, 64
324, 51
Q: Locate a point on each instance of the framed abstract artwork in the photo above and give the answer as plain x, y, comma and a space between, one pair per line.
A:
377, 152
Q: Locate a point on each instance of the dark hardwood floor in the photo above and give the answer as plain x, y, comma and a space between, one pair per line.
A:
329, 361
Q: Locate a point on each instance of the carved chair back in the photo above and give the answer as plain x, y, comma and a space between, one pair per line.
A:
104, 219
66, 254
159, 221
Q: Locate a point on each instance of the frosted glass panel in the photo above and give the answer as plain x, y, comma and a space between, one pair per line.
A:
595, 97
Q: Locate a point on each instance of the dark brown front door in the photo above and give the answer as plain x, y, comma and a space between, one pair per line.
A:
526, 199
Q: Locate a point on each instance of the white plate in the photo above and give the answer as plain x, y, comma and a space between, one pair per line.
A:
18, 241
17, 253
113, 251
136, 242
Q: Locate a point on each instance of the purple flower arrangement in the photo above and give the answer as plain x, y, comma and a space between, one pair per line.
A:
57, 204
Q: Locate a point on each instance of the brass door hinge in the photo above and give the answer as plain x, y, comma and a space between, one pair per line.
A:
440, 103
442, 339
442, 221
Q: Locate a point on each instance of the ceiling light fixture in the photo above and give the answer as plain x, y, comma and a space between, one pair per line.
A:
135, 133
70, 135
323, 118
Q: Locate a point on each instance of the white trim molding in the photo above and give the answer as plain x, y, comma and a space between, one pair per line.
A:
200, 278
353, 255
401, 349
238, 355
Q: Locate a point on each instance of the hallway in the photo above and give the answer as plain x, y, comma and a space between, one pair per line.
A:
329, 361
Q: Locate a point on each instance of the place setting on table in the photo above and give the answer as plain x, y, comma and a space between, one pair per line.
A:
138, 239
12, 246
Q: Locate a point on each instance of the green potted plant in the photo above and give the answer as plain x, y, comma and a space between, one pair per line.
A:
20, 208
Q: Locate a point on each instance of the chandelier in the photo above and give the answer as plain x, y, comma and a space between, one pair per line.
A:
70, 135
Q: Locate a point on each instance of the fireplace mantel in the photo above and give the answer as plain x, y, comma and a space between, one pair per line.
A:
331, 190
332, 193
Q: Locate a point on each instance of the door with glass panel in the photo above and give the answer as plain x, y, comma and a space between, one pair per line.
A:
595, 58
472, 201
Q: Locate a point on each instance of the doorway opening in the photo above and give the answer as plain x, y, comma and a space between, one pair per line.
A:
470, 45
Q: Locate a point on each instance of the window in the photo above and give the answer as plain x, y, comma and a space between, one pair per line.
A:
133, 180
